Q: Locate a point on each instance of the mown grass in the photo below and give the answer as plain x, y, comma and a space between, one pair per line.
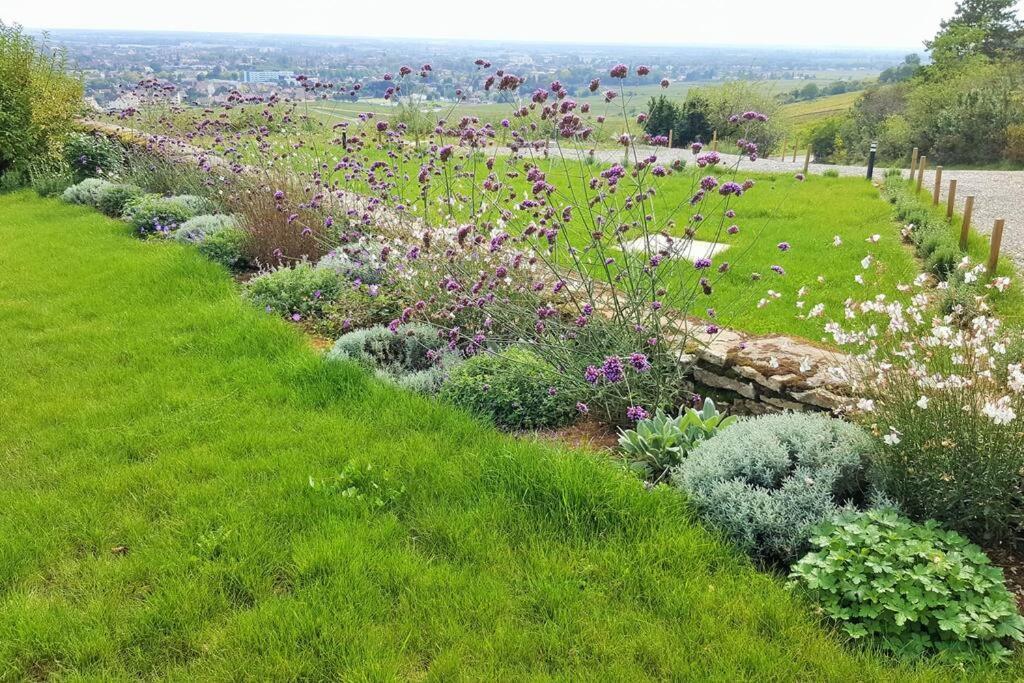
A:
157, 442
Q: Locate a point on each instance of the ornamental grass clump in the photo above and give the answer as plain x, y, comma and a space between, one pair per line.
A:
766, 482
911, 589
944, 398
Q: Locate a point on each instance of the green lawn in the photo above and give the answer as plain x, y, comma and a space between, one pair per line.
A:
158, 439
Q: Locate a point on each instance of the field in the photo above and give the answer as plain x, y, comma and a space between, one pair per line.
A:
801, 115
173, 507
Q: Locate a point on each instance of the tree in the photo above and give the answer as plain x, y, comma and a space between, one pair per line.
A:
662, 115
988, 27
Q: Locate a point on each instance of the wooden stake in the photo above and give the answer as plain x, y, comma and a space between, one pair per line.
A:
714, 141
794, 152
670, 138
965, 230
951, 199
997, 241
807, 161
937, 192
913, 162
920, 171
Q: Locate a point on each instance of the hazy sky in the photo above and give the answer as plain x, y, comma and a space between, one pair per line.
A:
866, 23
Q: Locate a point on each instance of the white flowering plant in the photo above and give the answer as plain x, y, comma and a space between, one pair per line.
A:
945, 399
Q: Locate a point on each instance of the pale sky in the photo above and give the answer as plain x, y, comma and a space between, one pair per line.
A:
828, 23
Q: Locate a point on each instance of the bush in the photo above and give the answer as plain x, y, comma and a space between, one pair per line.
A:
226, 247
301, 290
910, 588
359, 307
153, 214
51, 183
1015, 143
358, 262
90, 156
113, 199
86, 192
414, 357
514, 388
943, 260
765, 482
198, 228
661, 442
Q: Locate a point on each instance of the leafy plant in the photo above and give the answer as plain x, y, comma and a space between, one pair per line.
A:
51, 183
662, 442
376, 487
910, 588
86, 192
152, 214
300, 291
91, 156
514, 388
198, 228
226, 246
414, 357
765, 482
113, 199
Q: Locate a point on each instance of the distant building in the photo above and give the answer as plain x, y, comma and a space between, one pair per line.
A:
266, 76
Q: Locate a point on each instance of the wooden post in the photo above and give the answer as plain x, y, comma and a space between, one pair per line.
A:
920, 171
714, 141
965, 230
913, 162
951, 199
997, 241
807, 160
670, 138
937, 192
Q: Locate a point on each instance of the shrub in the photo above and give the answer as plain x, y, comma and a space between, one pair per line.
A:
359, 262
765, 482
359, 307
414, 357
945, 399
153, 214
226, 247
114, 198
662, 442
39, 101
51, 183
514, 388
1015, 143
198, 228
944, 259
301, 290
86, 192
90, 156
910, 588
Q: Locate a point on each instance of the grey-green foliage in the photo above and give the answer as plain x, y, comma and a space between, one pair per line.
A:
414, 357
301, 289
357, 261
113, 199
198, 228
152, 213
86, 192
662, 442
765, 482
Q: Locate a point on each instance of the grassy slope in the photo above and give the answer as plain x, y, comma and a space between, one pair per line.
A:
801, 114
145, 406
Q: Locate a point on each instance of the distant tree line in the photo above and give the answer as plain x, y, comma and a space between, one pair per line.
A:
966, 106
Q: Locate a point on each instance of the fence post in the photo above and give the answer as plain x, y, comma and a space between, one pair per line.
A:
714, 141
795, 145
997, 241
913, 163
937, 192
923, 164
951, 200
807, 160
965, 229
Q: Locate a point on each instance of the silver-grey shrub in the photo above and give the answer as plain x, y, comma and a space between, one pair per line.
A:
200, 227
86, 192
765, 482
415, 357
